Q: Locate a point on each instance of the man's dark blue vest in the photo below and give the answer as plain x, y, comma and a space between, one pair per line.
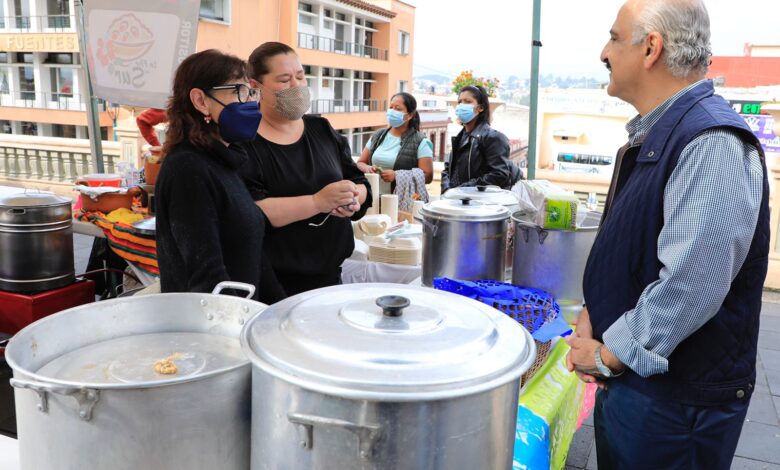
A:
716, 364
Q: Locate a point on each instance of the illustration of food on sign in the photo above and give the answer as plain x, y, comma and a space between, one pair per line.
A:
127, 38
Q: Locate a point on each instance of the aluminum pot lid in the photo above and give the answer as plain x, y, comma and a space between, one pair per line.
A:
388, 342
490, 194
146, 226
465, 209
33, 199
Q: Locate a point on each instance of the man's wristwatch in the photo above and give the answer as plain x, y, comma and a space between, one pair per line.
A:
605, 371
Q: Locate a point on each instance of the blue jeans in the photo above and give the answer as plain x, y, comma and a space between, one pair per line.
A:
634, 431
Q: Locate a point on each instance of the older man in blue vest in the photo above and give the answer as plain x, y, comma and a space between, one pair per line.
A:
673, 282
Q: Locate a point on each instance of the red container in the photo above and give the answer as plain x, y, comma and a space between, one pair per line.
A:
19, 310
102, 179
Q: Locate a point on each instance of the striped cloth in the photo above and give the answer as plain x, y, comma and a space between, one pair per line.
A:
126, 242
711, 206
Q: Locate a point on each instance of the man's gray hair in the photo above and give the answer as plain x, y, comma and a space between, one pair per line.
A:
684, 26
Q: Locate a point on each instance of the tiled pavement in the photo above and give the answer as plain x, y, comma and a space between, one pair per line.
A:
759, 444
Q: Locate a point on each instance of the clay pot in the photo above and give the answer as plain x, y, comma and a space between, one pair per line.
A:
109, 201
150, 171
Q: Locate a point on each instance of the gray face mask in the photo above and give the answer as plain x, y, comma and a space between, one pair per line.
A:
292, 103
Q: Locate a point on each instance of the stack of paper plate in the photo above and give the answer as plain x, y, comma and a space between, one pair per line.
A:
397, 251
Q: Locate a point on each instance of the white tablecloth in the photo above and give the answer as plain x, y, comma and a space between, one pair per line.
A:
9, 453
353, 271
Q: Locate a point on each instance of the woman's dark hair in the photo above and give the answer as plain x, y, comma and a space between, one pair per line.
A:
202, 70
411, 108
258, 59
481, 96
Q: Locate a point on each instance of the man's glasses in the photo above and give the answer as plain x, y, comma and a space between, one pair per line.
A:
243, 91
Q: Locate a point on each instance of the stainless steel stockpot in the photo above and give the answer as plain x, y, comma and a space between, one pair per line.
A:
384, 376
88, 397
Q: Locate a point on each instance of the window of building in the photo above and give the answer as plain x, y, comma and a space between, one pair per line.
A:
339, 73
358, 21
403, 86
328, 13
3, 57
24, 58
215, 9
103, 132
2, 14
429, 103
22, 9
58, 58
307, 69
61, 82
328, 24
326, 71
305, 19
59, 14
27, 83
403, 43
29, 128
341, 17
4, 77
305, 7
5, 127
370, 24
63, 130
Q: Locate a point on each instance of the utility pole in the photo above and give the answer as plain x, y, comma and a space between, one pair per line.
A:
93, 117
536, 44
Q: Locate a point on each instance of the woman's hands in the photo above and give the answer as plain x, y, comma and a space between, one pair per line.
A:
366, 168
339, 199
388, 176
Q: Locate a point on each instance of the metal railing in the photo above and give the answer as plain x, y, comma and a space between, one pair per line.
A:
347, 106
336, 46
46, 100
38, 162
39, 23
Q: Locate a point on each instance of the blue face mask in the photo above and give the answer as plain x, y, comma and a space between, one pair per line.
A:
238, 121
395, 118
465, 112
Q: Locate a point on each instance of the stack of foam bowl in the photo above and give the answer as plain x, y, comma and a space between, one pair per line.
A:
395, 251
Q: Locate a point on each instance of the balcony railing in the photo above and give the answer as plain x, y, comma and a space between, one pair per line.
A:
28, 23
336, 46
347, 106
52, 160
46, 100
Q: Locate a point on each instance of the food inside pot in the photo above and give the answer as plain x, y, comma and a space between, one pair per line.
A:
136, 359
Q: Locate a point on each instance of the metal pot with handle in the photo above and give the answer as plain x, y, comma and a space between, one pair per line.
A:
387, 376
463, 239
90, 394
491, 195
36, 242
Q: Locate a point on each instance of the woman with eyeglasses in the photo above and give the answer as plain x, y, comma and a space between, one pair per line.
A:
209, 229
480, 154
302, 175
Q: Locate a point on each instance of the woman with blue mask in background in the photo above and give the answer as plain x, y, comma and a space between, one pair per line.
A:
480, 154
400, 153
209, 229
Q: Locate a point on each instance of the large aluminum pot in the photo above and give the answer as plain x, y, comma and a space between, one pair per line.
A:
463, 239
491, 195
554, 260
88, 396
36, 242
387, 376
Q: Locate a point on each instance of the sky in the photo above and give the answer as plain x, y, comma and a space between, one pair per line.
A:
493, 37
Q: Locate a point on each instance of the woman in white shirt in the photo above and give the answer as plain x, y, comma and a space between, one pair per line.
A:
400, 153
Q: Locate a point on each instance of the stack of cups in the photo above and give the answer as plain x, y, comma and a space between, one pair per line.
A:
373, 181
416, 211
389, 206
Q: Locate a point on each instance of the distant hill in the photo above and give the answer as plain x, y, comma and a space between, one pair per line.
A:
438, 79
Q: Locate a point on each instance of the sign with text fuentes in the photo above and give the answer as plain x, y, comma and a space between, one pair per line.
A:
134, 48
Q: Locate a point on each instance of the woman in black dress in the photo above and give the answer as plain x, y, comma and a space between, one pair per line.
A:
208, 228
302, 175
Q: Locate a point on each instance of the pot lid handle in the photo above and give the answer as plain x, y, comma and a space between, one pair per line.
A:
482, 188
466, 201
393, 305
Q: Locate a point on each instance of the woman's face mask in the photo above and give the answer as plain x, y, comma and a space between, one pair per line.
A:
238, 120
395, 118
292, 103
465, 112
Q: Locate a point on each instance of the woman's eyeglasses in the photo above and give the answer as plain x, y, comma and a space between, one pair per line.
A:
244, 92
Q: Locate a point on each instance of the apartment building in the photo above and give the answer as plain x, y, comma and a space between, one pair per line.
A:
357, 54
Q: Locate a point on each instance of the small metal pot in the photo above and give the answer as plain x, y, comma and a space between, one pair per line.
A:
87, 395
36, 242
387, 376
463, 239
554, 260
